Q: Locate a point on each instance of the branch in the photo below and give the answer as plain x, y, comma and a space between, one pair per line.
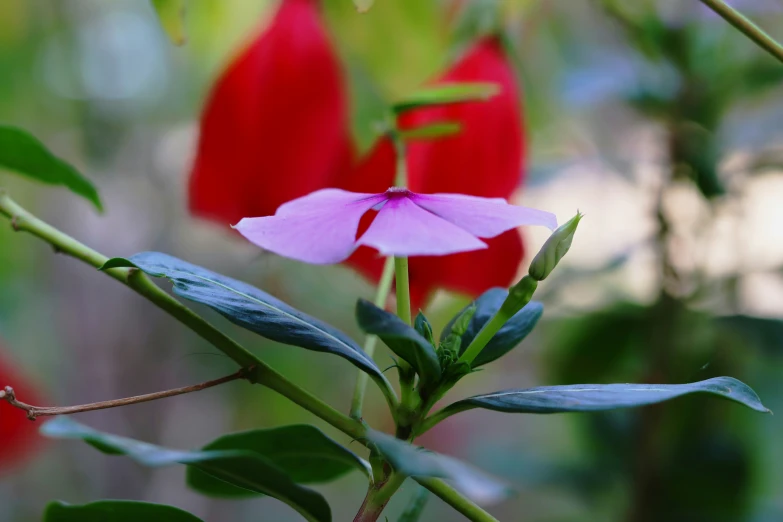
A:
24, 221
453, 498
257, 370
33, 412
746, 26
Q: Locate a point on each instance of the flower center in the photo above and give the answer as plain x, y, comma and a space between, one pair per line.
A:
397, 192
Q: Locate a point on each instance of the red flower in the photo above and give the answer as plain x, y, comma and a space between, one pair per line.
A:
19, 436
275, 126
484, 159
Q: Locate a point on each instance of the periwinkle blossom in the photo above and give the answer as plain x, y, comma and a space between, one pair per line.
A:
321, 228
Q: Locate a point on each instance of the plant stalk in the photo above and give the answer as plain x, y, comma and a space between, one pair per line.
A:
381, 295
746, 26
378, 495
33, 412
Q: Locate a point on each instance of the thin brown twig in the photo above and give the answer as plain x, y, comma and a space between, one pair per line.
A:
34, 412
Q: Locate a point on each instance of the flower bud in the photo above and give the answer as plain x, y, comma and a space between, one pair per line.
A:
554, 249
423, 326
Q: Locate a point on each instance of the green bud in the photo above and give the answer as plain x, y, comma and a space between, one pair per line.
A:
460, 326
423, 326
554, 249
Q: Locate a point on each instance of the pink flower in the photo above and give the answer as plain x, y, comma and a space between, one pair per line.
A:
321, 228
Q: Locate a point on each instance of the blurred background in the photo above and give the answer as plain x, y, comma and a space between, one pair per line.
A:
656, 119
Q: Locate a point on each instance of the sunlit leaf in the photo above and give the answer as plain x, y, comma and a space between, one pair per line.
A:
172, 18
243, 469
249, 307
302, 451
413, 461
22, 153
445, 94
116, 511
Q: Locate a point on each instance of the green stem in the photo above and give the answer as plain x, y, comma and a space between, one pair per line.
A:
263, 374
384, 287
407, 375
401, 173
24, 221
403, 289
485, 335
453, 498
378, 495
439, 416
746, 26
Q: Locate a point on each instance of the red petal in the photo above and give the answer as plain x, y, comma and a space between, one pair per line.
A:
19, 436
275, 126
484, 159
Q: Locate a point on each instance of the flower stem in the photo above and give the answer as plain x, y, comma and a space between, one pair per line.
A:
378, 496
453, 498
407, 375
384, 287
746, 26
403, 289
401, 175
485, 335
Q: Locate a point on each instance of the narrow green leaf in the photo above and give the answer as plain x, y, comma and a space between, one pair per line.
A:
445, 94
23, 154
116, 511
601, 397
413, 461
302, 451
432, 131
241, 468
171, 14
402, 339
509, 336
249, 307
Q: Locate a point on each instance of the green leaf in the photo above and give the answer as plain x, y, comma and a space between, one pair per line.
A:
172, 18
402, 339
602, 397
512, 333
22, 153
445, 94
413, 461
302, 451
116, 511
249, 307
423, 327
431, 131
363, 5
242, 469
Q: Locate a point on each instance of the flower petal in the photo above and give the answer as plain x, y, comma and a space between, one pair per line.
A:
284, 89
319, 228
404, 229
483, 217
